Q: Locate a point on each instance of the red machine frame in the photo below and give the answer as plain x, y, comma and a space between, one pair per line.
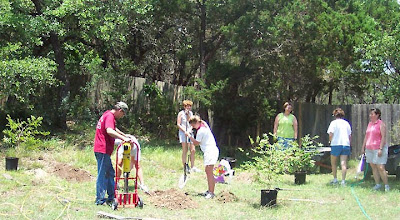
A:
123, 197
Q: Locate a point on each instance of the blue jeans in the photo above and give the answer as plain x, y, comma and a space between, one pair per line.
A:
105, 178
286, 142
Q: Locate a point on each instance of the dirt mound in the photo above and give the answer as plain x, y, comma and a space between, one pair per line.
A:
226, 197
172, 199
70, 173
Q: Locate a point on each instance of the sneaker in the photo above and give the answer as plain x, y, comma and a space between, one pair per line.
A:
195, 170
377, 187
109, 202
144, 188
205, 193
343, 183
209, 195
334, 181
387, 188
100, 202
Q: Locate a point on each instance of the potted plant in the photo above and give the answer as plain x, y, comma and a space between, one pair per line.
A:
266, 164
19, 137
298, 158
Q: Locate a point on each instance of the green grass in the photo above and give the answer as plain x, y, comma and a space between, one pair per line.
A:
28, 196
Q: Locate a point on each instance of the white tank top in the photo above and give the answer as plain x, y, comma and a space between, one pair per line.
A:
185, 119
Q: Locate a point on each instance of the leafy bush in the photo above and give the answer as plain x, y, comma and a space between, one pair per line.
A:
269, 159
22, 135
160, 116
299, 158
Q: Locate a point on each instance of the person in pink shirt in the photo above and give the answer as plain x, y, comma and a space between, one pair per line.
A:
375, 148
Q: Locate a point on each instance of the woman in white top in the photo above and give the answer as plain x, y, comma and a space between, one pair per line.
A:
206, 140
339, 137
182, 122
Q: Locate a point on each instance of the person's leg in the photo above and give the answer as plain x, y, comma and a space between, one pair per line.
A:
334, 166
101, 181
139, 171
382, 173
375, 172
210, 178
184, 153
343, 163
192, 154
110, 174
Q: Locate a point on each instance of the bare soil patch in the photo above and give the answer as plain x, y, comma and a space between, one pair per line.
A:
70, 173
172, 199
225, 197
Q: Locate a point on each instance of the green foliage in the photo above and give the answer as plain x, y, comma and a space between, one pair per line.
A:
299, 159
269, 158
160, 114
24, 134
26, 78
394, 133
80, 55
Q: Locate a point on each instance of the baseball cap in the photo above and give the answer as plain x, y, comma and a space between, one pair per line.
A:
122, 105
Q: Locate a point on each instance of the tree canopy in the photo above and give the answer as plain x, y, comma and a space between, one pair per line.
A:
241, 56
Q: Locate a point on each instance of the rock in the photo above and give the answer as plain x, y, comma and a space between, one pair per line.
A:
7, 176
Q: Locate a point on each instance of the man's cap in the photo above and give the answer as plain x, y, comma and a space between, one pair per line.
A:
122, 105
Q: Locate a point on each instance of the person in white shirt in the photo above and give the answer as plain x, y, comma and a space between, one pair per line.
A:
205, 138
339, 132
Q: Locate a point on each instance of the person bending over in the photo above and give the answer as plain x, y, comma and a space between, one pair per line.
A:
206, 140
135, 157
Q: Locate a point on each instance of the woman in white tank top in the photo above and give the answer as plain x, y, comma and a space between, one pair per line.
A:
182, 122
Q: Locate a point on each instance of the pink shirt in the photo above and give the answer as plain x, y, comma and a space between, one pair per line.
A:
103, 142
374, 136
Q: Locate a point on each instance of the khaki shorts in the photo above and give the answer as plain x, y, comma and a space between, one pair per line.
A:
372, 156
211, 157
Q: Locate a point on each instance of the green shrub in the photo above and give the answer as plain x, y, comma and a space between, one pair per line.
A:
22, 135
298, 158
268, 158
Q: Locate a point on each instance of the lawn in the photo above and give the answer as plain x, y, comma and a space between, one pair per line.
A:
60, 184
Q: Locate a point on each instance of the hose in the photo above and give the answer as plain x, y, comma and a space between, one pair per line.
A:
355, 196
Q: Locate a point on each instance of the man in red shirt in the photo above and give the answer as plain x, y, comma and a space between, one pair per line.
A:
106, 132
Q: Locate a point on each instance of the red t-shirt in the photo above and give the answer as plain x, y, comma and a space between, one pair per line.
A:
103, 142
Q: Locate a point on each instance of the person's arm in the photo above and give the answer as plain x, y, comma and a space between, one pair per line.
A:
295, 125
350, 139
115, 134
178, 122
194, 141
276, 124
383, 134
330, 137
120, 132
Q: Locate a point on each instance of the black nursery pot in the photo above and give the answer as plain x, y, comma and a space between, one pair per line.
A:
300, 177
268, 197
11, 163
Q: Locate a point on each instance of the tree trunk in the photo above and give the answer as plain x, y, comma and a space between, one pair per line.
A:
64, 88
202, 38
